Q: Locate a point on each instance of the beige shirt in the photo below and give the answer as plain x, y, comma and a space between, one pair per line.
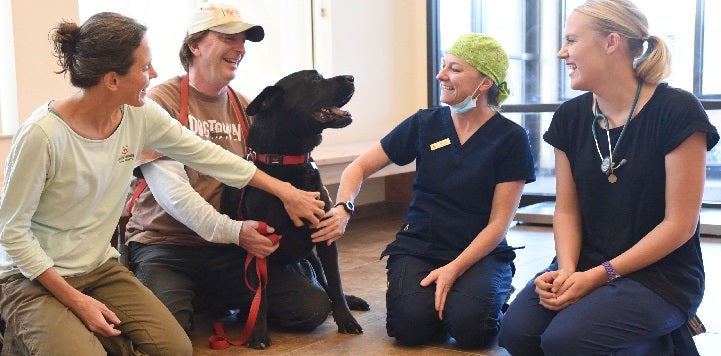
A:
211, 118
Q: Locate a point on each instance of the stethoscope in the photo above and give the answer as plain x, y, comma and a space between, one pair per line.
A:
608, 166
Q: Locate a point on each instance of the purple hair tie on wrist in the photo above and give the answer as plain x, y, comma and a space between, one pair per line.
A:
612, 275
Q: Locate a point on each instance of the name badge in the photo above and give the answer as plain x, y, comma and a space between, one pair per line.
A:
442, 143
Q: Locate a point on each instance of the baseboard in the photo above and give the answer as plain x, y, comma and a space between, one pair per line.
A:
382, 208
542, 213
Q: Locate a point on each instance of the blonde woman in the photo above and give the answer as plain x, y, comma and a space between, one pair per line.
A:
630, 169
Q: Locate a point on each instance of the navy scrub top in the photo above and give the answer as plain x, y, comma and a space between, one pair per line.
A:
454, 184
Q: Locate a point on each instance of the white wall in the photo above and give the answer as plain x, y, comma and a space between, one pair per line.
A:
35, 80
382, 43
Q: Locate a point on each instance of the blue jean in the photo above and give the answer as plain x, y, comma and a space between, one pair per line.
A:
473, 307
181, 275
619, 318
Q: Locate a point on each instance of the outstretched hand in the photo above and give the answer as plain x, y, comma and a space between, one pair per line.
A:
300, 205
331, 227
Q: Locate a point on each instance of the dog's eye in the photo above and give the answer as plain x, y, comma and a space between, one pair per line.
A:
318, 77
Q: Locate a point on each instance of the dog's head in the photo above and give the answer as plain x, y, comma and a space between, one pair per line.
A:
299, 107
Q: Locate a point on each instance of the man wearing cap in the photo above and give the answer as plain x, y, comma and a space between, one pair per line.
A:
179, 245
450, 267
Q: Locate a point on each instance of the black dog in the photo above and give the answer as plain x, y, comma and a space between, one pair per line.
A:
288, 119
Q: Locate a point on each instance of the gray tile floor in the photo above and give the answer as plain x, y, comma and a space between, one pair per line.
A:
364, 275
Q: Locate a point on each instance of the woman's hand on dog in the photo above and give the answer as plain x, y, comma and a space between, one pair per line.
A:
255, 242
332, 226
303, 205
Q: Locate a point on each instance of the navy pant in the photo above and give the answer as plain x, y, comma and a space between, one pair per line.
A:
619, 318
182, 275
473, 307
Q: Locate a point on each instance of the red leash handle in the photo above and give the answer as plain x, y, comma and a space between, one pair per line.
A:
219, 340
261, 265
263, 230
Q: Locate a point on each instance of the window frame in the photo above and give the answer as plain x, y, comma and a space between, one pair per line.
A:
531, 112
709, 101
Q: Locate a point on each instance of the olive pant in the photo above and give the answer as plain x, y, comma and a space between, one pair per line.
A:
41, 325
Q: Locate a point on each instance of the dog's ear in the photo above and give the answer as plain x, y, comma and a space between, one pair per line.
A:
264, 100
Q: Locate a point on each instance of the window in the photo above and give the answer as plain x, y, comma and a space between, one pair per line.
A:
531, 33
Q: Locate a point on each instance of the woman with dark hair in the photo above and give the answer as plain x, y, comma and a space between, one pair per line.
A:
66, 181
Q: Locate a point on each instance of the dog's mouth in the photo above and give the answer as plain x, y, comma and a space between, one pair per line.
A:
333, 116
325, 113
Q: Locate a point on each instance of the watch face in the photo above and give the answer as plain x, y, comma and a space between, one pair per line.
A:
348, 206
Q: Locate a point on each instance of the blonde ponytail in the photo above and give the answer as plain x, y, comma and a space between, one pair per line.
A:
654, 65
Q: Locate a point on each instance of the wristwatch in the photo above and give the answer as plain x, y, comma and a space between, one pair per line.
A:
348, 206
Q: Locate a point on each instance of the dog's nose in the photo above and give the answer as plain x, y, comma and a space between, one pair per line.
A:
349, 78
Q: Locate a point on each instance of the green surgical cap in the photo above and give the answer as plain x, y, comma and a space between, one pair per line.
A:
484, 53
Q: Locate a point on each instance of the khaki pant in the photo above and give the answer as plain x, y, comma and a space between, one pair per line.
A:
41, 325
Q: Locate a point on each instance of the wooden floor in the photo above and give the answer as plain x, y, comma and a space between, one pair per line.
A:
364, 275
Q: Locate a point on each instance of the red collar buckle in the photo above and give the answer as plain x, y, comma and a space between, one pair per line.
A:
280, 160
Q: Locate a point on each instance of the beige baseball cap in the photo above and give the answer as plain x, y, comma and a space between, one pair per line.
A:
222, 18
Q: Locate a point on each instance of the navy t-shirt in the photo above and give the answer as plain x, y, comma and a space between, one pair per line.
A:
615, 216
454, 184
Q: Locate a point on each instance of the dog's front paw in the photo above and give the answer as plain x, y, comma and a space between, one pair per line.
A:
356, 303
346, 322
350, 327
344, 319
258, 342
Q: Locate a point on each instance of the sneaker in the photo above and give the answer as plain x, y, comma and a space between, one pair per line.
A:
695, 325
508, 298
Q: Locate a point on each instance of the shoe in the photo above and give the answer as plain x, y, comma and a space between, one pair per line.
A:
508, 298
695, 325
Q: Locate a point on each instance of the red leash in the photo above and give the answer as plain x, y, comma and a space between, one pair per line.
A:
219, 341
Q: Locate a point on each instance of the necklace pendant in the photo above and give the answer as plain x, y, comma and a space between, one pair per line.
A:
612, 178
606, 165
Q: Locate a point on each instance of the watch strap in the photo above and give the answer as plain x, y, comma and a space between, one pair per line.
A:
347, 206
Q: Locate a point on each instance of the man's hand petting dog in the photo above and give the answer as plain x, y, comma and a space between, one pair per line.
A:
331, 227
254, 242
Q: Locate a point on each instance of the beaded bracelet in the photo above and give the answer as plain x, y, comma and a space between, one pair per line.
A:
610, 271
